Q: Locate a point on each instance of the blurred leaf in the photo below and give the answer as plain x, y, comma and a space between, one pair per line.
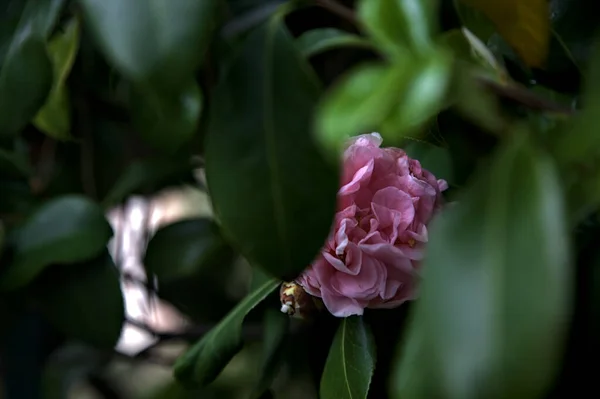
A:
84, 301
524, 24
276, 328
54, 118
467, 47
203, 362
497, 283
423, 95
68, 229
350, 363
26, 71
167, 120
145, 176
155, 41
400, 25
266, 157
317, 41
180, 249
14, 164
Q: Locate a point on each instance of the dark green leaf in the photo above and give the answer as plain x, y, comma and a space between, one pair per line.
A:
13, 164
203, 362
167, 120
273, 191
350, 363
84, 301
180, 249
276, 327
147, 175
26, 71
475, 21
153, 40
435, 159
320, 40
400, 25
69, 229
496, 283
54, 118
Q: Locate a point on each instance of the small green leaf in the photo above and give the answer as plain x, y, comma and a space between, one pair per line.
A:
317, 41
167, 120
178, 250
276, 326
496, 293
68, 229
155, 41
266, 156
400, 25
54, 118
203, 362
84, 301
26, 71
350, 363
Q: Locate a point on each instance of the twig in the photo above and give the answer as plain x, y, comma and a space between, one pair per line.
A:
340, 10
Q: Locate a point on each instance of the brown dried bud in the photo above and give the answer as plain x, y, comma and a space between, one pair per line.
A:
296, 302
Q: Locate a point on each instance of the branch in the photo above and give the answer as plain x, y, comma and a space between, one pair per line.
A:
339, 10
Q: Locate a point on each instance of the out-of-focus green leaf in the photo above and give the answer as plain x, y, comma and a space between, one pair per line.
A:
167, 120
178, 250
350, 363
146, 175
84, 301
400, 25
475, 21
68, 229
203, 362
161, 41
524, 24
466, 46
497, 283
320, 40
54, 118
260, 150
435, 159
276, 327
13, 164
26, 70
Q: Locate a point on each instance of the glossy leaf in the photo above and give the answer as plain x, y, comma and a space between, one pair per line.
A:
180, 249
162, 41
400, 25
167, 120
350, 363
84, 301
524, 24
203, 362
497, 283
276, 329
67, 229
54, 118
265, 156
26, 71
317, 41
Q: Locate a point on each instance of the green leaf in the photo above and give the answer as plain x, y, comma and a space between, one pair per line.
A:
435, 159
203, 362
350, 363
26, 71
400, 25
276, 327
178, 250
524, 24
145, 176
54, 118
265, 156
167, 120
68, 229
84, 301
14, 164
317, 41
153, 40
475, 21
497, 283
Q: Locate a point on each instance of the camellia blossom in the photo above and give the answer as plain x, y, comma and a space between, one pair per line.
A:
384, 205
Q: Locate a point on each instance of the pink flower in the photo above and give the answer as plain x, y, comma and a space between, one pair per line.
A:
384, 205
